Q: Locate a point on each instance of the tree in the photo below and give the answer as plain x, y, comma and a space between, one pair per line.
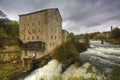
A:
65, 52
115, 33
2, 14
9, 27
87, 42
115, 74
72, 37
12, 29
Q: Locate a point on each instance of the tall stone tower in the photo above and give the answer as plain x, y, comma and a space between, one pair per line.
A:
111, 28
40, 31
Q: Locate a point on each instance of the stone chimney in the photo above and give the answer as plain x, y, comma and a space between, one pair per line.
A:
111, 28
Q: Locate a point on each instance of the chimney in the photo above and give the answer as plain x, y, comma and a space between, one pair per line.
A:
111, 28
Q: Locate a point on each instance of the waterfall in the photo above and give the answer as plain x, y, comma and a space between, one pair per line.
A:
102, 56
54, 68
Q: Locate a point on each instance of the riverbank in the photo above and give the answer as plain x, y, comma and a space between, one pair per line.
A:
114, 41
9, 68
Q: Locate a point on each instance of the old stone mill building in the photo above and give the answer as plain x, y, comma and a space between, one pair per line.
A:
41, 32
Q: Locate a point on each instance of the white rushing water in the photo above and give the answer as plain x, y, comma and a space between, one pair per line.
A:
98, 55
53, 69
102, 55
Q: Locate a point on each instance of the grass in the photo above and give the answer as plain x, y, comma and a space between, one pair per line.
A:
7, 69
114, 41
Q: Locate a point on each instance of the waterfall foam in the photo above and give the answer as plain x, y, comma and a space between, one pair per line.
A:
102, 55
53, 68
98, 55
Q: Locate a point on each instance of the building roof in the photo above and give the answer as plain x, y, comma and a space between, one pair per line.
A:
65, 31
41, 11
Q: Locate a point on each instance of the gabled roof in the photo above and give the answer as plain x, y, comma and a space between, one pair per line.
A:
42, 11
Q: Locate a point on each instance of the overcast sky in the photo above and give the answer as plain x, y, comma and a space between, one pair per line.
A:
79, 16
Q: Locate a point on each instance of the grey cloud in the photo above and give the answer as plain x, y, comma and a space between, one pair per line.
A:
78, 15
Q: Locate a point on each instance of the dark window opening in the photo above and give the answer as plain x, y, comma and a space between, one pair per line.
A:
38, 23
37, 37
32, 38
28, 38
55, 37
51, 37
34, 46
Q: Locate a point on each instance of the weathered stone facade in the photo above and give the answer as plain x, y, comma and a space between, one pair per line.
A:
65, 35
44, 26
10, 53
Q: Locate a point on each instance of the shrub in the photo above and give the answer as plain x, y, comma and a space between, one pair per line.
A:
77, 64
87, 41
81, 47
1, 44
115, 74
65, 52
42, 63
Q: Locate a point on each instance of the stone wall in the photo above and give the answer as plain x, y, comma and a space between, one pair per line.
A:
32, 54
54, 29
65, 35
44, 26
10, 53
6, 56
32, 27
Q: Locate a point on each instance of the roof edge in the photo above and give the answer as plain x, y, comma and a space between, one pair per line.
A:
42, 11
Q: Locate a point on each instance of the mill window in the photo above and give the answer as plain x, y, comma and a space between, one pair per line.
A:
55, 37
32, 38
28, 37
37, 37
38, 23
51, 37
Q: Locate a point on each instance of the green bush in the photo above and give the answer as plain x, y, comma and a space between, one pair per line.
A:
65, 52
42, 63
81, 47
115, 74
1, 44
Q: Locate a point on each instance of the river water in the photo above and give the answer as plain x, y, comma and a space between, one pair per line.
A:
99, 55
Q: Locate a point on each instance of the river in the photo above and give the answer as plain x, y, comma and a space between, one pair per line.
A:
99, 55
